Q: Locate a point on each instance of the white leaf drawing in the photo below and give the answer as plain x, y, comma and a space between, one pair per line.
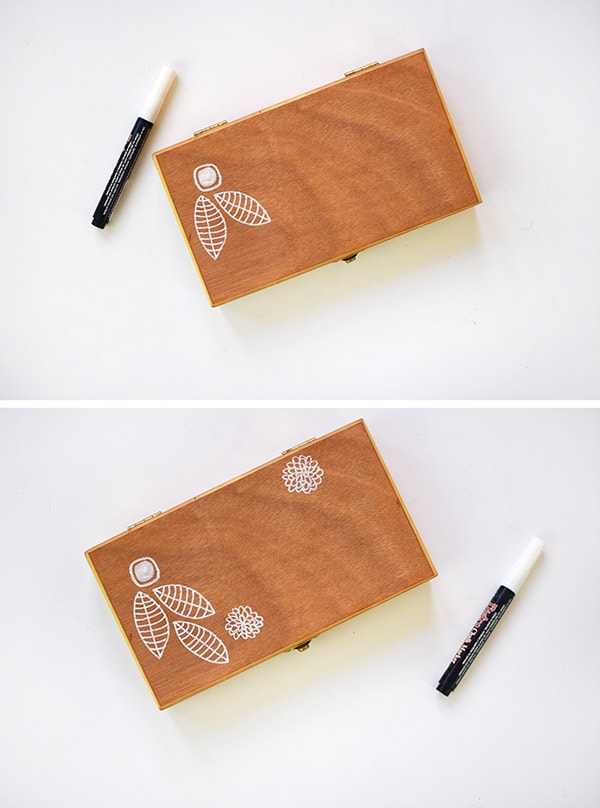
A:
302, 475
184, 601
244, 622
243, 208
211, 226
201, 642
151, 623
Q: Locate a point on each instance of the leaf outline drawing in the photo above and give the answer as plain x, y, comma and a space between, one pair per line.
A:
202, 642
209, 222
184, 601
211, 227
243, 208
152, 623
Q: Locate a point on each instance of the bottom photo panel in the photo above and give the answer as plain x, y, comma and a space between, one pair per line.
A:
300, 606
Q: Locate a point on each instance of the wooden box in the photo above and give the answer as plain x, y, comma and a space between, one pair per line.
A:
317, 178
260, 565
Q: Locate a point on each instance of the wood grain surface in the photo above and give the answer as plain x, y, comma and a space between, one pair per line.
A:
337, 170
302, 561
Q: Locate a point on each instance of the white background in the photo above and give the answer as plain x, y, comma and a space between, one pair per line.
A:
354, 721
498, 302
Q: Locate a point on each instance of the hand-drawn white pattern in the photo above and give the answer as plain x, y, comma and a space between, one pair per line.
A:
244, 622
207, 177
243, 208
152, 623
201, 642
211, 227
184, 601
302, 475
144, 571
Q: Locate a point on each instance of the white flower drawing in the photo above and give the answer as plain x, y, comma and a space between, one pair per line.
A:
244, 622
302, 475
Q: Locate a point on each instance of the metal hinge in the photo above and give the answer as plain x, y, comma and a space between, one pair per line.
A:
135, 524
207, 128
293, 448
358, 69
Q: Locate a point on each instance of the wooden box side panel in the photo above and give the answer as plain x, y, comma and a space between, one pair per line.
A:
282, 553
335, 171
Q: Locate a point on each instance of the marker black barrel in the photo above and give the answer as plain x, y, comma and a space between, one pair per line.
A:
475, 640
122, 171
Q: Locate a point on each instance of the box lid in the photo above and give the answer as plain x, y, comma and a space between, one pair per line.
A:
317, 178
261, 564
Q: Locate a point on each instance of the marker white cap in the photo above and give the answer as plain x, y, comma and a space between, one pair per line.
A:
524, 565
157, 95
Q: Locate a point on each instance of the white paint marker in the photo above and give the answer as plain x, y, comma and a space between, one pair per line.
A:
132, 148
490, 617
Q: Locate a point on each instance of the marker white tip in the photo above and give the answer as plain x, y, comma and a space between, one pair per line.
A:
157, 95
521, 569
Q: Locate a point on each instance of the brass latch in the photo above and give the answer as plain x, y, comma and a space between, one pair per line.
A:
303, 647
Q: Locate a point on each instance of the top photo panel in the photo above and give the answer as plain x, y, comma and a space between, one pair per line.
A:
300, 201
